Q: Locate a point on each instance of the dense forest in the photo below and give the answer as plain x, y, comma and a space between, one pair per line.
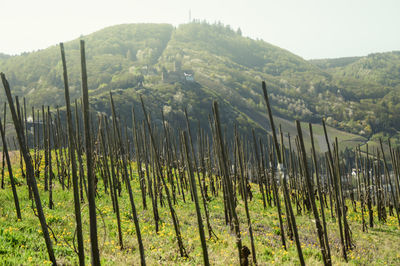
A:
188, 66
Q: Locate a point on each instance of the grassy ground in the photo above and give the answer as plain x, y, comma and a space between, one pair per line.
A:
345, 139
21, 242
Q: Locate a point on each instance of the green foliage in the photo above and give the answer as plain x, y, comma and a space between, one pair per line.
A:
335, 62
21, 241
358, 94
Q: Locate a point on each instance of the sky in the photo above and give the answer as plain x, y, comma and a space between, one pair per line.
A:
309, 28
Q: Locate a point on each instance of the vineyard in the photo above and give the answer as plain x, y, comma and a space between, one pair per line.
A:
83, 188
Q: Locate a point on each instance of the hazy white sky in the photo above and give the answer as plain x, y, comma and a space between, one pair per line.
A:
309, 28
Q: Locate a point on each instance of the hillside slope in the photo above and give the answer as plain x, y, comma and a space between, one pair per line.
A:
194, 64
374, 80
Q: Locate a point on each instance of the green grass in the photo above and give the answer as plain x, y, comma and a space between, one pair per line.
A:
21, 242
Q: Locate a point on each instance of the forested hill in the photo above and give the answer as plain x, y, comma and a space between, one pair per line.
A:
374, 81
195, 63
